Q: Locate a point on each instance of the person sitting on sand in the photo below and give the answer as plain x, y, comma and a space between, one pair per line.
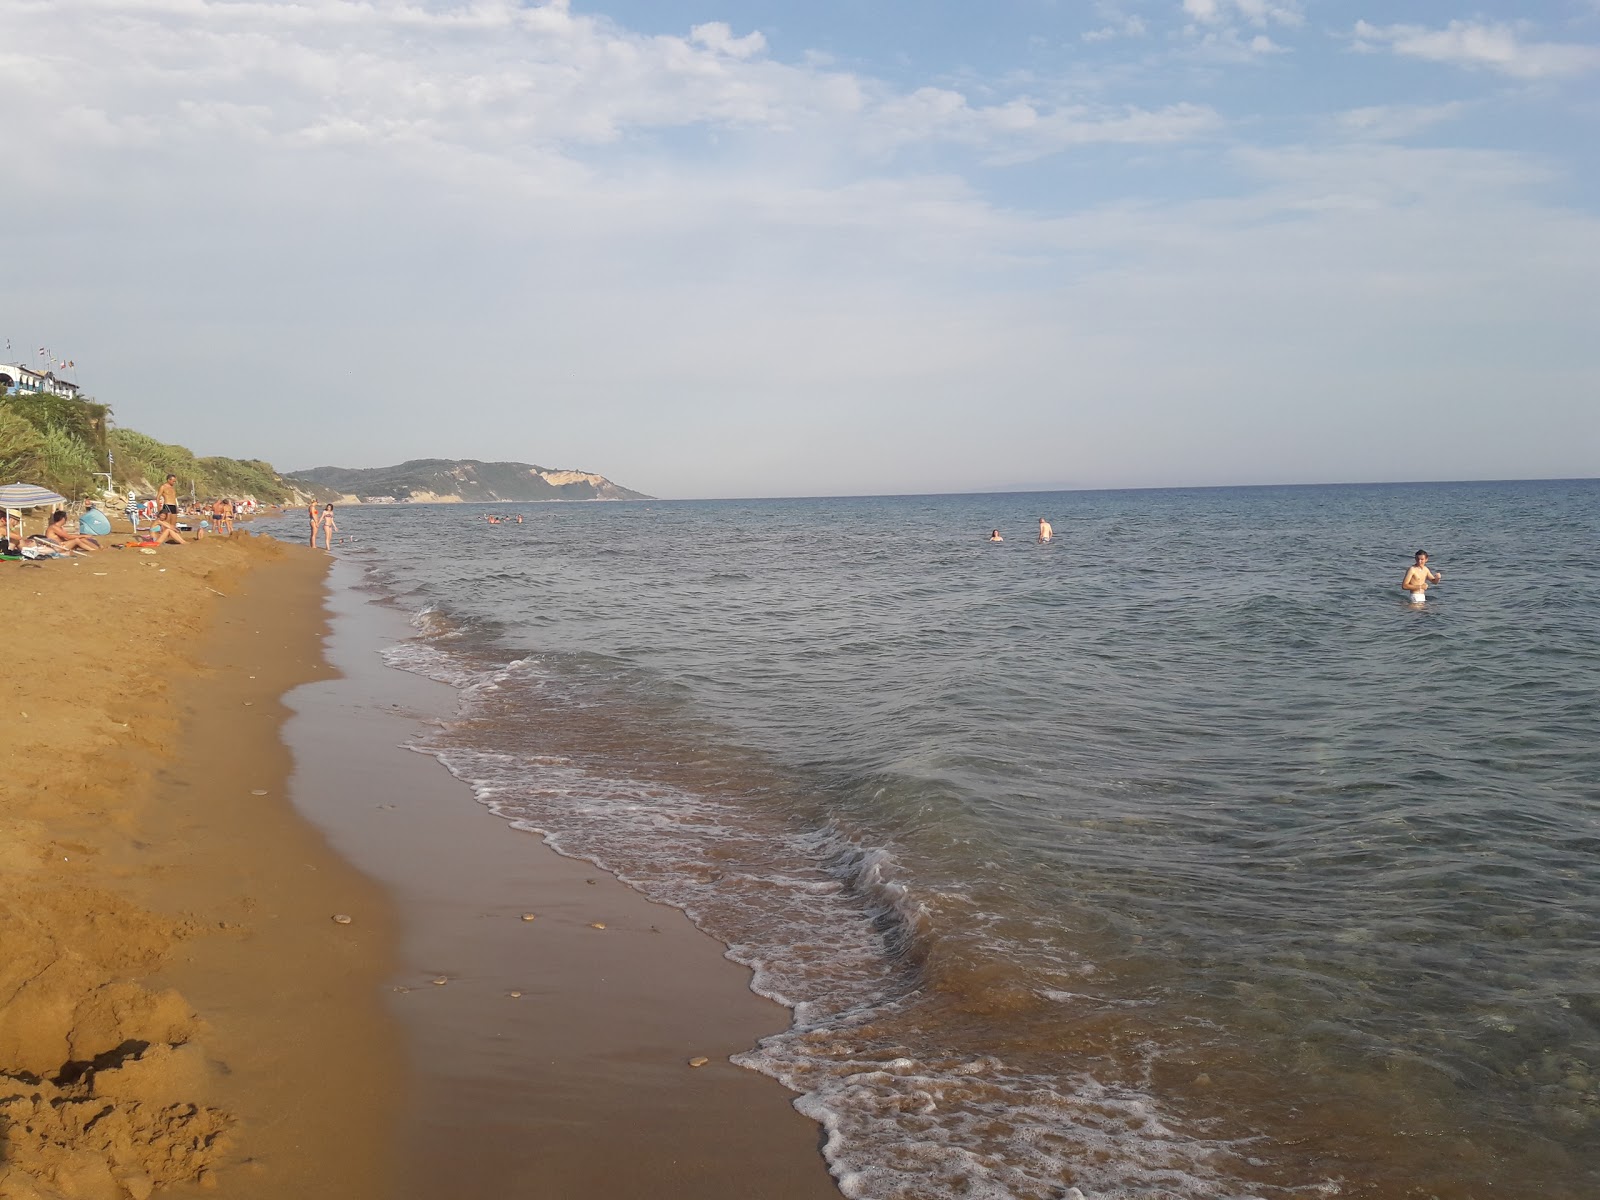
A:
161, 533
994, 536
58, 533
1418, 577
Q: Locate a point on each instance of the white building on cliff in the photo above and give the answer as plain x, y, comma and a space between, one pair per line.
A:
15, 377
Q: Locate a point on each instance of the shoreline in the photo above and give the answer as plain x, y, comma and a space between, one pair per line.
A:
580, 1085
245, 1041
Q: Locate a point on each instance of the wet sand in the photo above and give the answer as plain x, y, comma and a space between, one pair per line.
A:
168, 958
581, 1086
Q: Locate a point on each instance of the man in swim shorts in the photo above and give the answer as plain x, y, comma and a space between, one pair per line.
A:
167, 495
1045, 530
1418, 577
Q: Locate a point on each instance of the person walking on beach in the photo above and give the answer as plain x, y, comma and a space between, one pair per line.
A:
316, 516
1046, 532
1418, 577
167, 498
328, 529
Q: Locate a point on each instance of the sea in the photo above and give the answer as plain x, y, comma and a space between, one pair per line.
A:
1179, 856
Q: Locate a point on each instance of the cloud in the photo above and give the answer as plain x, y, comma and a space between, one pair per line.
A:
1119, 26
1258, 13
1497, 47
1389, 122
488, 76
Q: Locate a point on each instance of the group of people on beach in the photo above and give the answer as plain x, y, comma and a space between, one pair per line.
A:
162, 517
154, 522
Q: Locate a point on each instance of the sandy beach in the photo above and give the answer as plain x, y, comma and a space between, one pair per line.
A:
181, 1013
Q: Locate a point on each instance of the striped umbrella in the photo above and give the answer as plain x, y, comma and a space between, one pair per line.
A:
25, 495
28, 495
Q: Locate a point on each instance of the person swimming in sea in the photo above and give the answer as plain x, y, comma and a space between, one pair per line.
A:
1418, 577
1046, 530
994, 536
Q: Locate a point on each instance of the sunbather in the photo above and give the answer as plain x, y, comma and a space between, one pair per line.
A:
161, 532
58, 533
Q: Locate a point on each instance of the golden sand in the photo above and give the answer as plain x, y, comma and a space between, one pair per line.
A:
163, 912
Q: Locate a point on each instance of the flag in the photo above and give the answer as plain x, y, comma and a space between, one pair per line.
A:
71, 366
43, 353
62, 365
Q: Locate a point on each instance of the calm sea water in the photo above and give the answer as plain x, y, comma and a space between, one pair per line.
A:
1179, 857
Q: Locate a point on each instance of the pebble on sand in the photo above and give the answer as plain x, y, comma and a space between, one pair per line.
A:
597, 924
342, 918
441, 981
515, 995
530, 916
698, 1062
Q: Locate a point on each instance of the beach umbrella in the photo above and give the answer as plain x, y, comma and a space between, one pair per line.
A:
28, 495
21, 496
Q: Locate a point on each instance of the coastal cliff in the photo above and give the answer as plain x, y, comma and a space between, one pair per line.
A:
450, 481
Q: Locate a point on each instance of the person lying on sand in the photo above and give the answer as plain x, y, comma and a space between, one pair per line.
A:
58, 533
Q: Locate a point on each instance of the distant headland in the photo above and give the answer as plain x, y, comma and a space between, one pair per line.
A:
455, 481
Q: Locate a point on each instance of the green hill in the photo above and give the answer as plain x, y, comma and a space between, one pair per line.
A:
465, 480
67, 444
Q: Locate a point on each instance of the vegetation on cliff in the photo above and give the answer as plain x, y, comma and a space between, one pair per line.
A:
66, 445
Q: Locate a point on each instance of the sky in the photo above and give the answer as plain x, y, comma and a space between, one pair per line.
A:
765, 247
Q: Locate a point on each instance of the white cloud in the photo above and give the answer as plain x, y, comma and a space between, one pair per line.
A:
490, 76
1121, 27
718, 36
1386, 122
1494, 47
1258, 13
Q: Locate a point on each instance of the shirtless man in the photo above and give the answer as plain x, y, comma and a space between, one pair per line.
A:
59, 533
167, 498
1418, 577
1046, 532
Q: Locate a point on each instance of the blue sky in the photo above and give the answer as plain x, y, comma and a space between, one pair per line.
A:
719, 248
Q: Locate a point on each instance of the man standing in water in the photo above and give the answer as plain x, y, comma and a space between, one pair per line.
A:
1045, 531
1418, 577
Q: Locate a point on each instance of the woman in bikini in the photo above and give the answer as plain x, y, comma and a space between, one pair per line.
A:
316, 517
328, 529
